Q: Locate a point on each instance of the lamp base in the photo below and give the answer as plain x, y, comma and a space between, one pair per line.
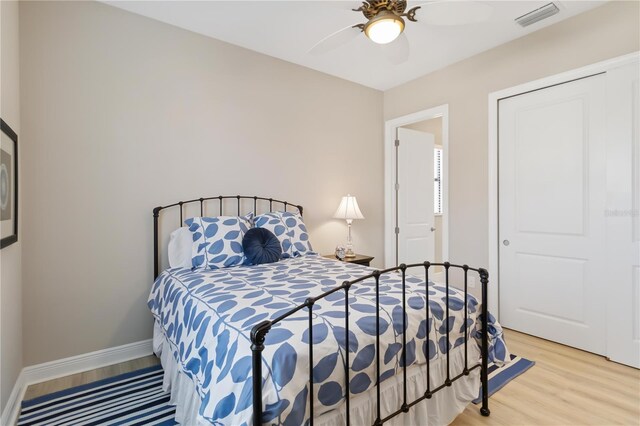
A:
349, 254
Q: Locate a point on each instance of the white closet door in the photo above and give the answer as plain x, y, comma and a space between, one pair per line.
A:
416, 238
552, 200
623, 220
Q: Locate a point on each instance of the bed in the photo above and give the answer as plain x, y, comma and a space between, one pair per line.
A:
271, 343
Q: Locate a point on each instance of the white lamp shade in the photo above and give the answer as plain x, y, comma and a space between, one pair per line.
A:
348, 209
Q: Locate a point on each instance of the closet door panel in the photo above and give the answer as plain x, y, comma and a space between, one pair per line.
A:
623, 214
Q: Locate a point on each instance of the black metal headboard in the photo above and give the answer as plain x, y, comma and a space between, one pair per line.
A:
220, 198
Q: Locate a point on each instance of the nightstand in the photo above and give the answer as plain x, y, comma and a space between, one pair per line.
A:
360, 259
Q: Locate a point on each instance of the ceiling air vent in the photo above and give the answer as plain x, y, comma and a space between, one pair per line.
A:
537, 15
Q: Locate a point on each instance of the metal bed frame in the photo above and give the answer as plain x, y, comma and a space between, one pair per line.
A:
260, 330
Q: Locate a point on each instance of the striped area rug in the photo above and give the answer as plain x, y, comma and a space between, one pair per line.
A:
134, 398
137, 398
500, 376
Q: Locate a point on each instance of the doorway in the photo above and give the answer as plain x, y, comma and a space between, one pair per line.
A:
416, 187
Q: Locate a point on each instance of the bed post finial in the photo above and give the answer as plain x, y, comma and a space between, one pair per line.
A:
258, 335
156, 254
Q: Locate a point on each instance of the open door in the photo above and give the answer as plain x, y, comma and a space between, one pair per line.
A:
415, 227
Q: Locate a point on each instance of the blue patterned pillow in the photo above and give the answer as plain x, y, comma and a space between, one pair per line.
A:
217, 241
289, 229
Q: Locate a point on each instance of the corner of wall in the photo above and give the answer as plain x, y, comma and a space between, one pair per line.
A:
11, 361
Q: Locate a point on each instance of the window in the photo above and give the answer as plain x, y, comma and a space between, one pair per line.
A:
437, 181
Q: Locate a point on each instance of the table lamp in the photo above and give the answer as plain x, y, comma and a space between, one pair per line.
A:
349, 210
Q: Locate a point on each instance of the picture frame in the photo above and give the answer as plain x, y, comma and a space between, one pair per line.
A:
8, 185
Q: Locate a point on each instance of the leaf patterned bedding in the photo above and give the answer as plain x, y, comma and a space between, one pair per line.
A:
207, 315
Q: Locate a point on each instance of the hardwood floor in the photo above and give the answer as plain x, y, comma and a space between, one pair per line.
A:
565, 387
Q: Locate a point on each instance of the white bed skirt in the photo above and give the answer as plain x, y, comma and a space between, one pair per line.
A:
441, 409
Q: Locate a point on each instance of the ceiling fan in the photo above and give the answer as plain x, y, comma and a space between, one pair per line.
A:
386, 23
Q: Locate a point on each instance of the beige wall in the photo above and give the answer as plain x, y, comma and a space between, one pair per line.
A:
605, 32
122, 113
10, 257
433, 126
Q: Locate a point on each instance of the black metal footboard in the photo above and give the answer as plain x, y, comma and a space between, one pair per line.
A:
258, 334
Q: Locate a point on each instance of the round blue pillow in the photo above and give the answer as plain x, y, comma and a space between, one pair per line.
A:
261, 246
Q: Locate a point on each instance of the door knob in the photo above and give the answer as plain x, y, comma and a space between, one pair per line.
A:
506, 242
433, 229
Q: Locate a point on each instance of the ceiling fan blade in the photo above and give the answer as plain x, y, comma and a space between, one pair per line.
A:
397, 52
335, 40
449, 13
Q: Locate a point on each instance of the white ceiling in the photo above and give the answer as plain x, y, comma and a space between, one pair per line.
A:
288, 29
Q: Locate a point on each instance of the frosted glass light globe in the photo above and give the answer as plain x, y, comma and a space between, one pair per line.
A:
384, 28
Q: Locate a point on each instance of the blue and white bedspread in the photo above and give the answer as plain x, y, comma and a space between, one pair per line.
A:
207, 317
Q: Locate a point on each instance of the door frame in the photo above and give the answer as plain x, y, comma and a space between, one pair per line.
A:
390, 127
494, 98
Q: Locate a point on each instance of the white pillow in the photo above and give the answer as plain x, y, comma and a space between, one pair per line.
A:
180, 242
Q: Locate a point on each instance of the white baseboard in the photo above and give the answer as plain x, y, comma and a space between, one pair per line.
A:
85, 362
67, 366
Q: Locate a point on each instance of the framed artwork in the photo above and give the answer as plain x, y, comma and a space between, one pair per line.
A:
8, 186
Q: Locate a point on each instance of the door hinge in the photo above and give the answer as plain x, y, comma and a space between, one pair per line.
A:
397, 187
397, 142
397, 230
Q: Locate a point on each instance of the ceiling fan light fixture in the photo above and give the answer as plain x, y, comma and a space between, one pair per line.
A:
384, 27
